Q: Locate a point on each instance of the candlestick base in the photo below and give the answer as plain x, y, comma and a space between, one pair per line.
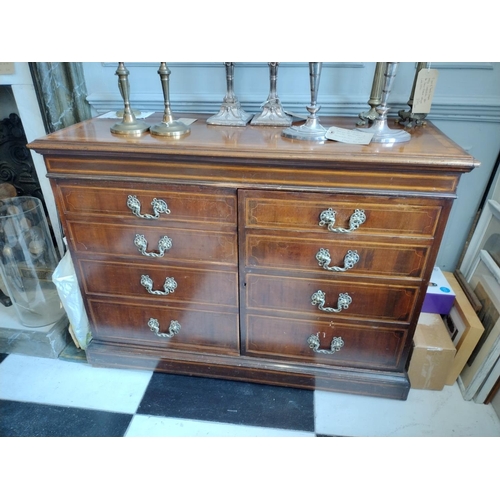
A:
272, 115
230, 114
384, 134
130, 127
174, 129
312, 130
409, 120
367, 117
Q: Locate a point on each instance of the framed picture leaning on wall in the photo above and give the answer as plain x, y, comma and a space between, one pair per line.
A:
485, 283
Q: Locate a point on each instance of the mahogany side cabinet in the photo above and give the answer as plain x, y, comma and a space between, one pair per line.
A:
233, 252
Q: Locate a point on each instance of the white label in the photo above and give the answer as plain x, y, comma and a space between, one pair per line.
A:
424, 90
119, 114
187, 121
348, 136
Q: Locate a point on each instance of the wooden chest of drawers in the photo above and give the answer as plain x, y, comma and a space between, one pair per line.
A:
236, 253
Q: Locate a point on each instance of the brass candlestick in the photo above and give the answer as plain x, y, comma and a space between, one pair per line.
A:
168, 127
312, 130
129, 125
230, 112
380, 129
375, 96
409, 118
272, 113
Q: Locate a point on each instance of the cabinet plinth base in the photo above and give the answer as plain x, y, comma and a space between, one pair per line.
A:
246, 369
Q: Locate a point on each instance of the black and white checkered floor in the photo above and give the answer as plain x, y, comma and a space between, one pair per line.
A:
56, 397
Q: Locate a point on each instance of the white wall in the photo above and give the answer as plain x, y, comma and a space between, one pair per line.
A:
466, 107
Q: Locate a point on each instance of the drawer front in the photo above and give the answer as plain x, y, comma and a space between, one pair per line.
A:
198, 246
370, 301
384, 216
185, 204
200, 330
191, 286
359, 346
263, 251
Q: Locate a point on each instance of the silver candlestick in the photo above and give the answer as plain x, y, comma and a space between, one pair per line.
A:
129, 125
409, 118
375, 96
230, 112
380, 129
312, 130
168, 127
272, 113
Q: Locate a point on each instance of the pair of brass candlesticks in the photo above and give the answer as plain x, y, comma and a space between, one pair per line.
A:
130, 126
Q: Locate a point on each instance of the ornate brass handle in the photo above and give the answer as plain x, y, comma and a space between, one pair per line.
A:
173, 329
323, 257
318, 299
327, 218
159, 207
141, 243
336, 344
168, 287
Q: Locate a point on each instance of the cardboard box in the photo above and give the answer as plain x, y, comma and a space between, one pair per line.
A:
440, 297
433, 354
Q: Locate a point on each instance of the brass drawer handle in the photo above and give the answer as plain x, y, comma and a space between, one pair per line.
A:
335, 346
173, 329
159, 207
318, 298
327, 218
141, 243
168, 287
323, 257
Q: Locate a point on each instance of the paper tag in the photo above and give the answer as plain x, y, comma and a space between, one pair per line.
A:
424, 90
348, 136
187, 121
115, 115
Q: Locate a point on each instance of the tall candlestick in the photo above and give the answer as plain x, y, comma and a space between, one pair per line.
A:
129, 125
375, 95
380, 129
312, 130
230, 112
409, 118
168, 127
272, 113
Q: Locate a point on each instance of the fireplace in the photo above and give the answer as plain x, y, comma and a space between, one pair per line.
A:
25, 170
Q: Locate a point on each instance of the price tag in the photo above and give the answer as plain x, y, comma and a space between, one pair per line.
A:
187, 121
424, 90
348, 136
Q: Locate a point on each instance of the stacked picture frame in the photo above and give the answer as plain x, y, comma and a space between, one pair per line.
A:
480, 378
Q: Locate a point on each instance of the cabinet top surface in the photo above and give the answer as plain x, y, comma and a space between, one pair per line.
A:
428, 145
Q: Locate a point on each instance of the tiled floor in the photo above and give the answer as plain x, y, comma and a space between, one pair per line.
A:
56, 397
